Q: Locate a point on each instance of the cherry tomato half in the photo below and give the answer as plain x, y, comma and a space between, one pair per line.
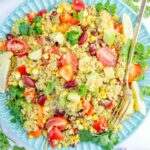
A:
78, 5
107, 57
100, 125
17, 46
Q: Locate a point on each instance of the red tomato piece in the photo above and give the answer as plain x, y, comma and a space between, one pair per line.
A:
69, 58
100, 125
59, 122
3, 45
40, 40
107, 57
30, 95
52, 144
88, 107
22, 70
55, 134
17, 46
108, 104
118, 26
42, 12
135, 71
30, 16
66, 72
66, 18
78, 5
35, 134
54, 49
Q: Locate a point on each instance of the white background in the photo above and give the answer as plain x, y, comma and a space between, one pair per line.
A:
140, 140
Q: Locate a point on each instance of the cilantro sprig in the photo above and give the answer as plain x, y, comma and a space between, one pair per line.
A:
146, 91
106, 140
107, 6
73, 37
5, 144
15, 102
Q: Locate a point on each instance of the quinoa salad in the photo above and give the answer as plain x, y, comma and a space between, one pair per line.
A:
64, 70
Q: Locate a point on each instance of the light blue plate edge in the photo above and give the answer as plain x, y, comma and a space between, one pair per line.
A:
89, 2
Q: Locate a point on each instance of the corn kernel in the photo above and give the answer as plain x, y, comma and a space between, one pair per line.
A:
115, 17
21, 84
92, 38
46, 56
44, 120
42, 27
59, 145
120, 127
30, 136
35, 71
14, 83
103, 93
17, 75
94, 117
66, 144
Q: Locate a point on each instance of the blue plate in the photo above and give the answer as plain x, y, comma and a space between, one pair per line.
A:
130, 125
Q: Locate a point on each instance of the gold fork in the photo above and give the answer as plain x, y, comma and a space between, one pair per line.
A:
122, 108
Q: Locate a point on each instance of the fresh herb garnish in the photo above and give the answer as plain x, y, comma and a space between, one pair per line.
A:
106, 140
37, 30
82, 90
18, 148
73, 37
142, 54
107, 6
146, 91
37, 19
15, 102
24, 28
4, 143
50, 87
78, 16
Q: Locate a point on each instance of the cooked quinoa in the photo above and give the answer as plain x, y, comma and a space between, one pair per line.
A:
64, 72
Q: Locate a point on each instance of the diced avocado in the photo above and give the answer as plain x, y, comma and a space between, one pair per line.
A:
73, 97
35, 55
64, 102
109, 36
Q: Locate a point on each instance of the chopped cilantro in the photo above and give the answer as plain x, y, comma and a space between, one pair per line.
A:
50, 87
73, 37
107, 6
106, 140
78, 16
4, 143
15, 102
18, 148
37, 30
82, 90
24, 28
146, 91
37, 19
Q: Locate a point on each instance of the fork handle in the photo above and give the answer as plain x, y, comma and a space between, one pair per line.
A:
135, 37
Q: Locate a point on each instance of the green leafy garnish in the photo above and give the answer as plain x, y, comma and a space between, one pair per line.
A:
15, 102
37, 30
82, 90
141, 55
50, 87
146, 91
4, 143
37, 19
73, 37
107, 6
18, 148
24, 28
78, 16
106, 140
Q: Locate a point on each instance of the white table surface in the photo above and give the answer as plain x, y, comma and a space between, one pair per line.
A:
140, 140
